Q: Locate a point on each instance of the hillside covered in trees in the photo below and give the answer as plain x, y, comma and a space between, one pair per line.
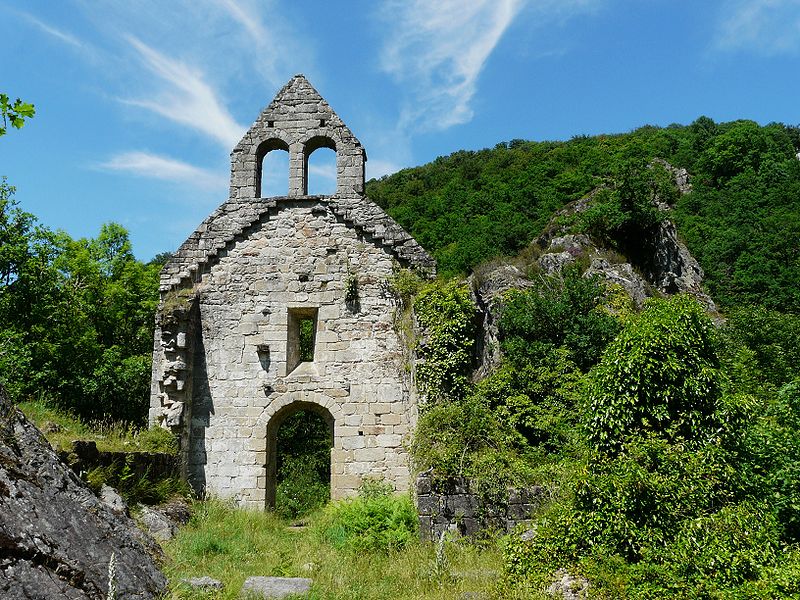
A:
742, 220
669, 445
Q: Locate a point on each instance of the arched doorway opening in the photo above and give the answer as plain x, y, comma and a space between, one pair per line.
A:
299, 442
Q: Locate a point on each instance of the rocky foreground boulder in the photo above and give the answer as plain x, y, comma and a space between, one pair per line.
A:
56, 536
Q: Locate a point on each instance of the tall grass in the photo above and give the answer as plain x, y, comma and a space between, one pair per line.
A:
231, 544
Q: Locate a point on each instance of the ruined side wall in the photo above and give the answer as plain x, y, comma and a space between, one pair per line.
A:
301, 256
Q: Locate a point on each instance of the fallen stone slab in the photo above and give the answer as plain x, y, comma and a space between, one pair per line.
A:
275, 587
204, 583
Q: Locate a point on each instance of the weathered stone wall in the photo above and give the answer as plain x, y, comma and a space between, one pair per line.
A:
452, 506
84, 456
302, 256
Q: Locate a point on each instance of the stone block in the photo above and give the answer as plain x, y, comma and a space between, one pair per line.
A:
275, 587
369, 454
389, 440
391, 419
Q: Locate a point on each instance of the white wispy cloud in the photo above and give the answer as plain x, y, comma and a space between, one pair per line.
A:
378, 168
186, 98
154, 166
437, 50
248, 19
275, 50
325, 171
59, 34
767, 27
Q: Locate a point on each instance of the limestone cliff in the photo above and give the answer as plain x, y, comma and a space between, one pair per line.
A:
56, 536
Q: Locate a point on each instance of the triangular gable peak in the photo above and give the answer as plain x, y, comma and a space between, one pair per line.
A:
298, 121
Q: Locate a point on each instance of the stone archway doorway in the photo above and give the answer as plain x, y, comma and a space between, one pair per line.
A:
300, 431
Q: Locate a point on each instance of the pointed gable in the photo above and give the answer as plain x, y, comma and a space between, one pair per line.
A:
299, 121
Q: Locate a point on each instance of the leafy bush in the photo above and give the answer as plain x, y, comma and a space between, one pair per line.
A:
406, 284
622, 216
633, 502
303, 465
450, 434
772, 336
375, 521
537, 399
300, 489
727, 547
660, 374
771, 457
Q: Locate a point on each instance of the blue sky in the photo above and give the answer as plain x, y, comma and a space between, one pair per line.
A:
139, 102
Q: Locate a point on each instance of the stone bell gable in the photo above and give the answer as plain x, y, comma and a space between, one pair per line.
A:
227, 366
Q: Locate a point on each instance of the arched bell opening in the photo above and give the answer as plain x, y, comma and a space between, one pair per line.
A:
320, 166
272, 176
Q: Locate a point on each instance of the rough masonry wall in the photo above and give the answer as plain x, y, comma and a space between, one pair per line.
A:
301, 256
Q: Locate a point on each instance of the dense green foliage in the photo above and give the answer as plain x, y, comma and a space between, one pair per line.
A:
742, 220
76, 317
660, 374
447, 314
375, 521
559, 312
304, 464
687, 487
507, 428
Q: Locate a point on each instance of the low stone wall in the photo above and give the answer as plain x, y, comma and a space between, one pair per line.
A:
84, 456
451, 506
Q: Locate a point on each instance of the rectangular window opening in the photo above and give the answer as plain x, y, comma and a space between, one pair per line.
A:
301, 338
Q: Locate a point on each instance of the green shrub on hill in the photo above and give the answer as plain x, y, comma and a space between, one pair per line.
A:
661, 374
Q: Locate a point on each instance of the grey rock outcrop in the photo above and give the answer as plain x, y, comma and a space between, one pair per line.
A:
562, 251
665, 262
674, 270
156, 523
622, 274
56, 536
113, 500
568, 586
487, 287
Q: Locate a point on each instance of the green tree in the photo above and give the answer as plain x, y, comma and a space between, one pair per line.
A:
14, 113
661, 374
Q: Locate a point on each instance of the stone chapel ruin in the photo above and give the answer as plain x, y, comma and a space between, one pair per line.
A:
228, 359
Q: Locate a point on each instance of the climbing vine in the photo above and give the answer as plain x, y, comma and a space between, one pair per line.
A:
446, 314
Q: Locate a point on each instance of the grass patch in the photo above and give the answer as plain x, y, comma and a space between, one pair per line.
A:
61, 429
231, 544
